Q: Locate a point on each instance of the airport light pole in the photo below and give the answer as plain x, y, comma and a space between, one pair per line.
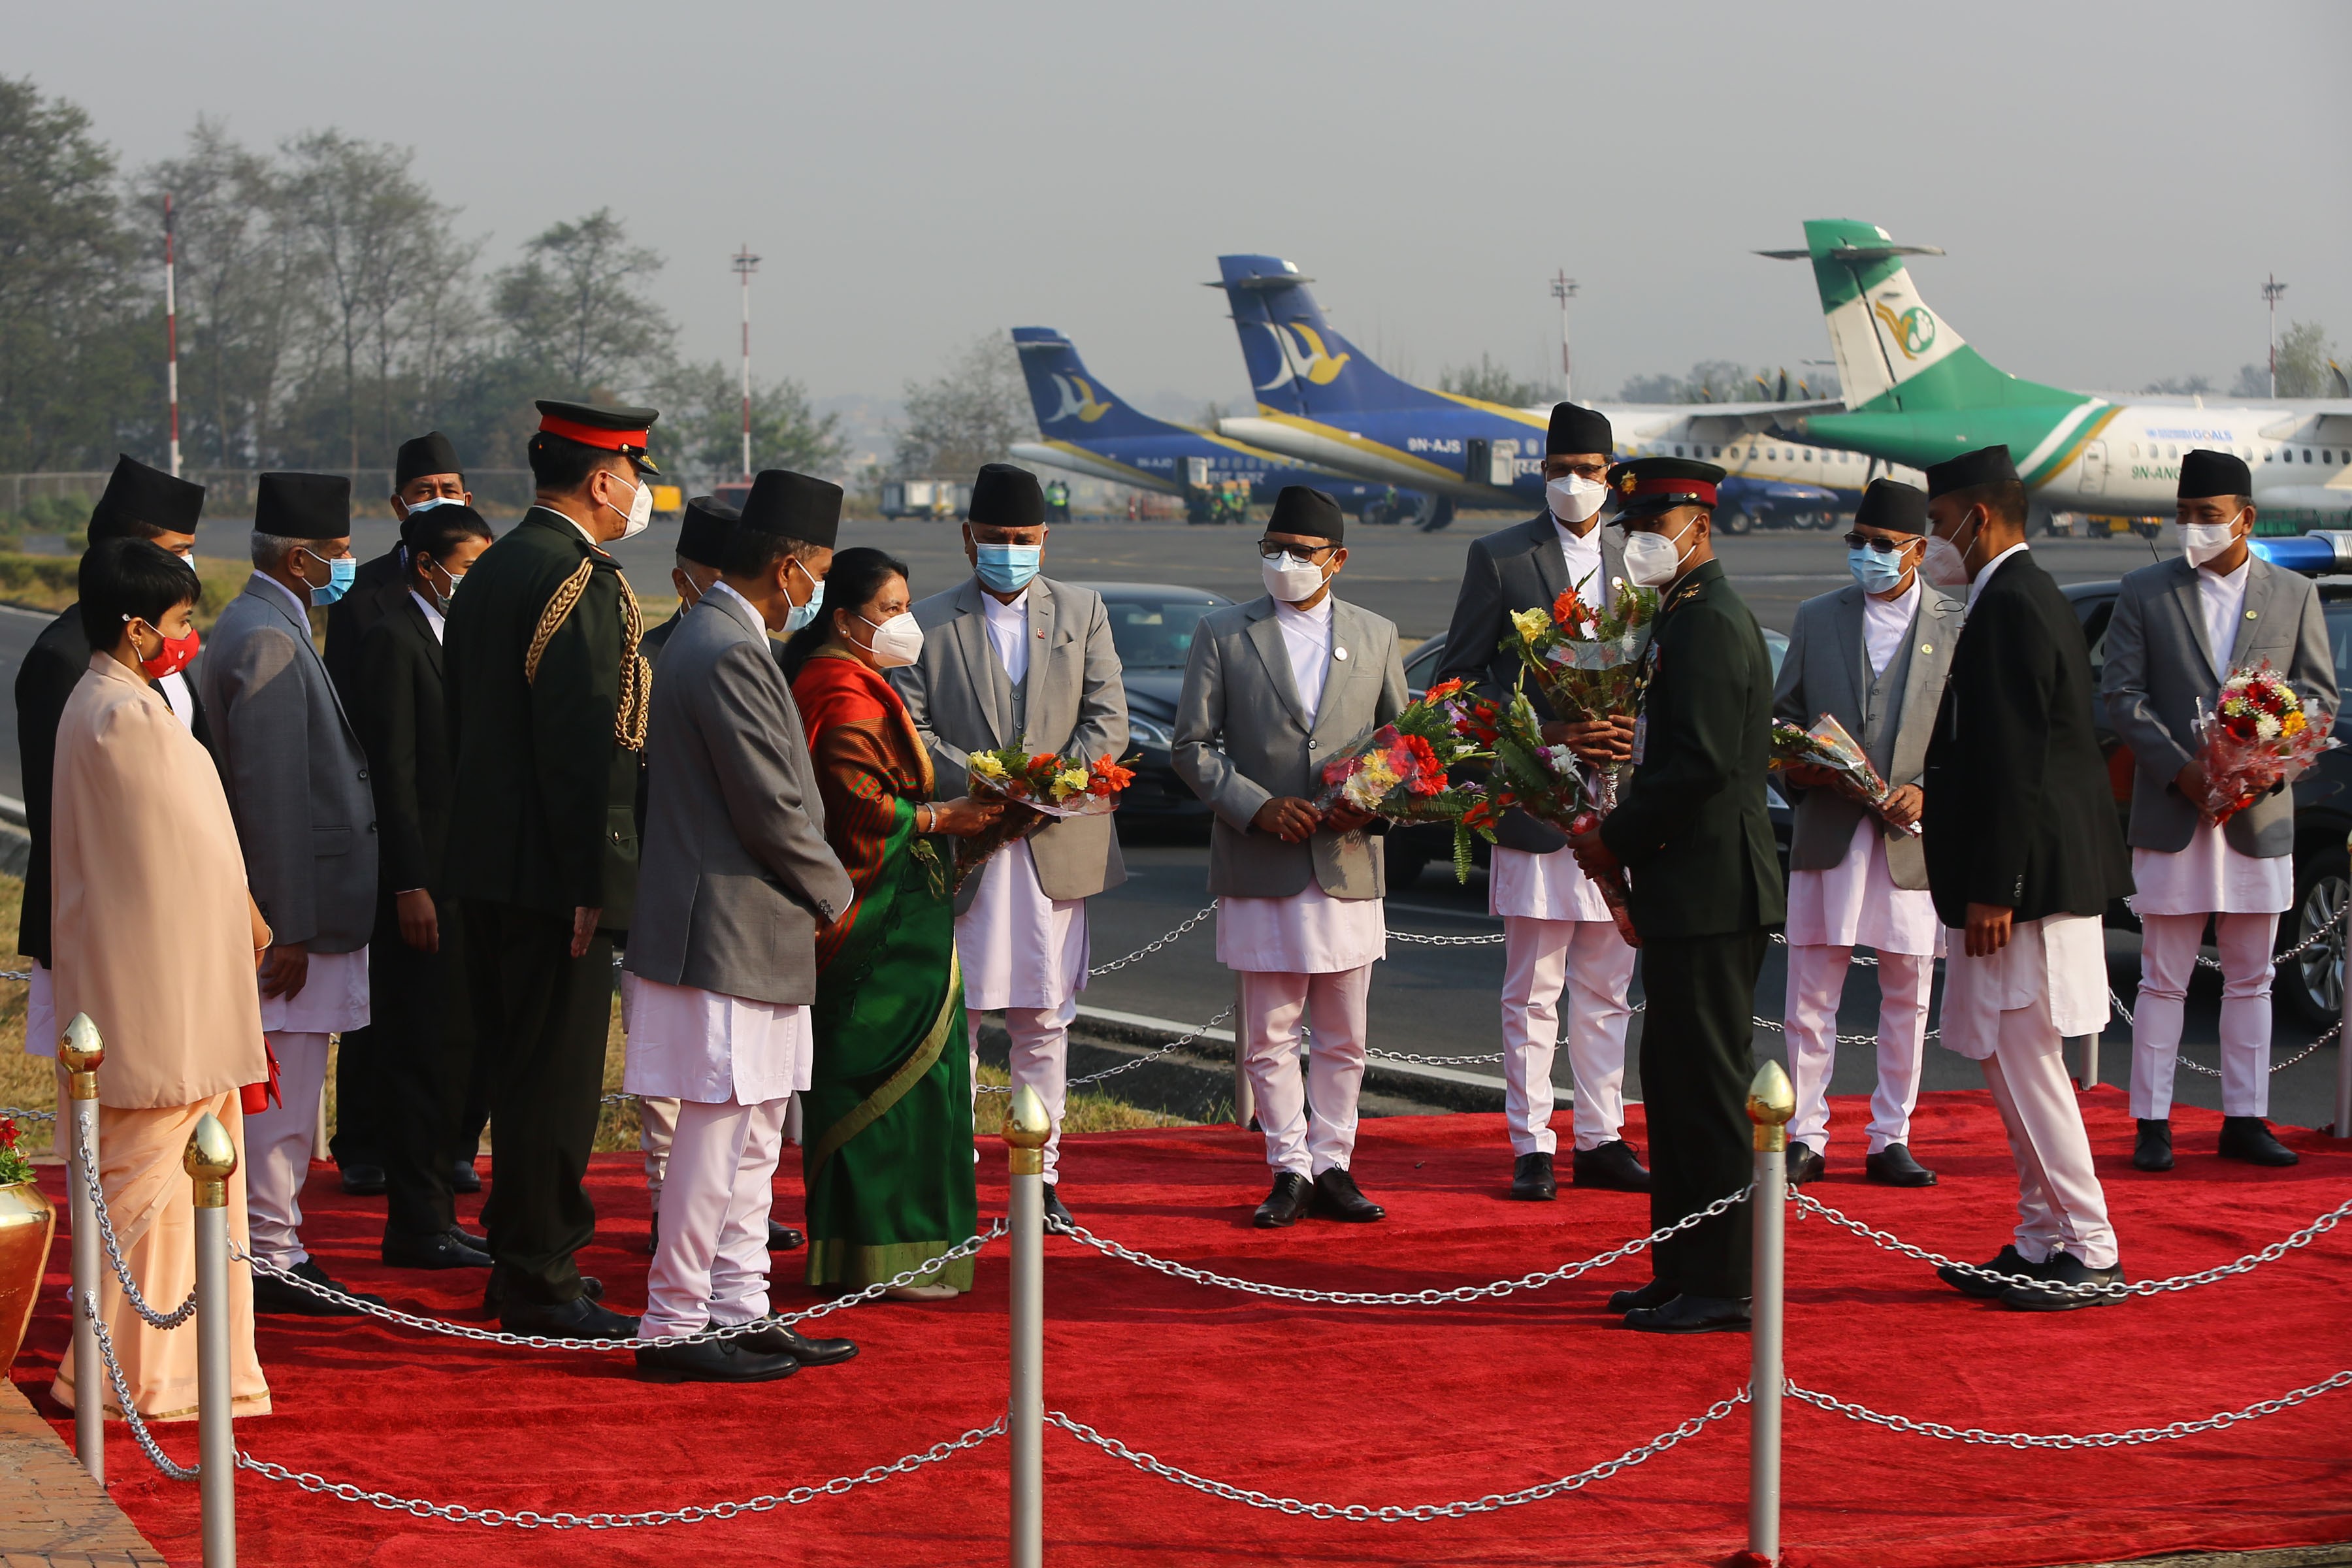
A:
1563, 288
2271, 292
171, 332
745, 265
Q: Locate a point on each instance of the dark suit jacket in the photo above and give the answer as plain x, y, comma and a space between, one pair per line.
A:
378, 587
551, 817
403, 724
1520, 567
53, 666
2018, 811
1690, 822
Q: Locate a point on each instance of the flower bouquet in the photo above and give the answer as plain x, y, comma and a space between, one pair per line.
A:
14, 1168
1828, 746
1587, 658
2258, 739
1046, 784
1554, 786
1400, 773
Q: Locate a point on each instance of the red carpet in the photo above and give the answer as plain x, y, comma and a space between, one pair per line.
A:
1359, 1404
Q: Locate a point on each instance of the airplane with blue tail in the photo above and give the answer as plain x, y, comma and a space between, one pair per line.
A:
1322, 400
1086, 428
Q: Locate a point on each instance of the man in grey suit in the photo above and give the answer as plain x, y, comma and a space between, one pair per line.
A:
297, 783
735, 881
1274, 690
1011, 657
1872, 656
2179, 627
1557, 930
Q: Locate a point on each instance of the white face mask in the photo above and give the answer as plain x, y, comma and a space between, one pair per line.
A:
897, 641
640, 513
1653, 560
1290, 579
2203, 542
1573, 498
1943, 564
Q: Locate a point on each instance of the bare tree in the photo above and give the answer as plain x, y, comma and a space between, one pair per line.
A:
969, 415
576, 309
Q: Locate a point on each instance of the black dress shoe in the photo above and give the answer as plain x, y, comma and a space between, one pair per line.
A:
578, 1319
464, 1178
494, 1294
1893, 1166
2009, 1261
1656, 1293
2249, 1138
1691, 1315
274, 1295
1612, 1167
1057, 1212
363, 1181
442, 1251
2064, 1268
784, 1238
2154, 1149
1531, 1179
781, 1339
479, 1243
716, 1360
1805, 1164
1336, 1196
1283, 1205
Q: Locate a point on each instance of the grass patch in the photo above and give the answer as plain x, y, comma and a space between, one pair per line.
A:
50, 583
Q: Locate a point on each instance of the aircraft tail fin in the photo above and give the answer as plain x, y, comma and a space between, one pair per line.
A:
1298, 362
1071, 405
1893, 352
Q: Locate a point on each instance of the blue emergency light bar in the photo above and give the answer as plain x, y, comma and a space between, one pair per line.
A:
2314, 554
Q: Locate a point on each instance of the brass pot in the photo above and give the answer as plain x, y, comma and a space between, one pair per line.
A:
26, 1224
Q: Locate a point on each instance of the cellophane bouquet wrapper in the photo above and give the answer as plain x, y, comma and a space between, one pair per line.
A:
2258, 737
1827, 744
1585, 654
1555, 786
1402, 771
1051, 785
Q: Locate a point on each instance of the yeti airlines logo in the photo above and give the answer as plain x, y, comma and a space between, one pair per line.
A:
1077, 398
1914, 331
1303, 356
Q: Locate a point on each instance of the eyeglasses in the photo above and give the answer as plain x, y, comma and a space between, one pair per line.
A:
1878, 546
1270, 550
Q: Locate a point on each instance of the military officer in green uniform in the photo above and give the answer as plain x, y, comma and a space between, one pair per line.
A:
1690, 830
547, 714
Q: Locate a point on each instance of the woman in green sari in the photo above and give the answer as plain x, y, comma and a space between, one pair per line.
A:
887, 1112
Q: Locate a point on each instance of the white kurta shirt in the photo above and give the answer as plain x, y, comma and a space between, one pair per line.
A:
2062, 959
1582, 553
1008, 632
1310, 933
1886, 623
2222, 596
686, 1043
333, 997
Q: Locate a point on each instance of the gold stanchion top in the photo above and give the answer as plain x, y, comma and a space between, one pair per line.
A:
210, 1159
1026, 1129
80, 1048
1772, 1101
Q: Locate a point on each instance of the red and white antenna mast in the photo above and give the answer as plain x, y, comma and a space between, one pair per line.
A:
170, 332
745, 265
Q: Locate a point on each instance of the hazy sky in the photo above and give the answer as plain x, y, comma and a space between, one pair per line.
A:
2112, 182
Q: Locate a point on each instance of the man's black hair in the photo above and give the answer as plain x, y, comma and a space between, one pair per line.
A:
2003, 498
563, 465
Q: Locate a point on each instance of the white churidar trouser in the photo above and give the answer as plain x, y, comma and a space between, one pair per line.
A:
2168, 959
1040, 1059
1816, 984
1272, 1006
1594, 965
712, 1267
278, 1147
657, 1127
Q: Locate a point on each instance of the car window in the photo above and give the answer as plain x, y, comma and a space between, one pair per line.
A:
1777, 646
2339, 638
2096, 614
1155, 634
1421, 669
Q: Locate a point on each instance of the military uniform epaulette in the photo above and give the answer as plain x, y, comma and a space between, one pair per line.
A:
1691, 591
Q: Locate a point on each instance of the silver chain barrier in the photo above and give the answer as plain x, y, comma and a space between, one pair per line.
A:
458, 1514
1419, 1513
965, 1248
155, 1455
130, 1293
2069, 1439
1419, 939
1494, 1290
2193, 1064
24, 974
24, 1113
1129, 1066
1148, 949
2246, 1265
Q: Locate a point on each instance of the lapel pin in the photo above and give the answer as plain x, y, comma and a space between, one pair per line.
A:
2250, 614
1338, 652
1927, 648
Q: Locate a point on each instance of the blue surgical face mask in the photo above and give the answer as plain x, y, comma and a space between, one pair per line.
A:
800, 615
1007, 568
340, 575
1877, 574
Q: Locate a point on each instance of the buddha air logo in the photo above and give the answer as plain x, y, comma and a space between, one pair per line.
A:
1079, 398
1299, 350
1914, 331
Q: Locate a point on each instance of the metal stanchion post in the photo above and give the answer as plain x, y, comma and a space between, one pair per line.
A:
81, 1050
1245, 1102
2091, 1060
1026, 1128
210, 1160
1770, 1102
2342, 943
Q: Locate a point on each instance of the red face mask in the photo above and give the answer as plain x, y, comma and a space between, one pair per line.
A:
177, 655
